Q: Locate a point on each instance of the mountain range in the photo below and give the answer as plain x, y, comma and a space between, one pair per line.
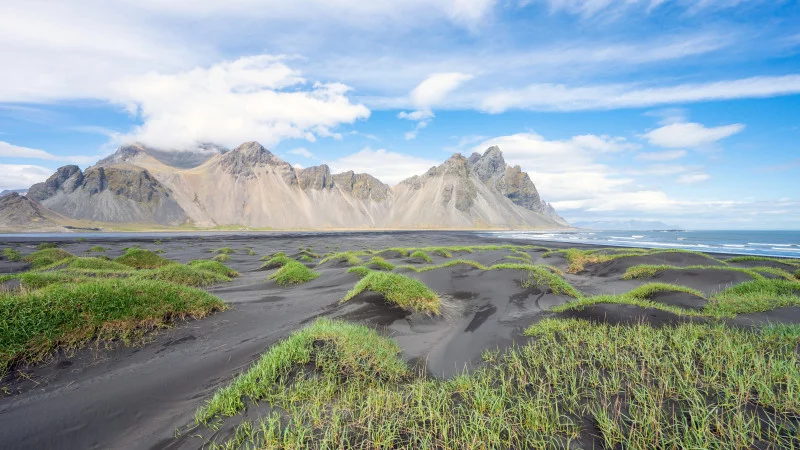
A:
251, 187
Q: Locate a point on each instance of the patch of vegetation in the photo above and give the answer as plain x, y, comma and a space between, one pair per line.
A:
579, 258
46, 245
754, 296
213, 266
139, 258
789, 261
157, 242
305, 258
81, 240
350, 257
648, 270
380, 263
183, 274
12, 254
47, 257
268, 257
96, 264
401, 290
648, 290
292, 273
159, 251
67, 315
250, 252
97, 249
419, 254
339, 385
775, 272
224, 251
361, 271
278, 260
221, 257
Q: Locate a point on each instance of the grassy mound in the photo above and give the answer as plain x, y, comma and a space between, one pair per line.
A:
222, 257
46, 245
183, 275
47, 257
213, 266
34, 323
401, 290
746, 258
688, 386
360, 271
139, 258
351, 258
96, 264
11, 254
292, 273
97, 249
651, 270
419, 254
755, 296
224, 251
579, 258
380, 263
277, 260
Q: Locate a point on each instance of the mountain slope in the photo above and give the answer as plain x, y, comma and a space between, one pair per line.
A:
120, 193
18, 212
250, 186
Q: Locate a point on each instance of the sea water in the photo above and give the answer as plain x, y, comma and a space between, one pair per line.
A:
745, 242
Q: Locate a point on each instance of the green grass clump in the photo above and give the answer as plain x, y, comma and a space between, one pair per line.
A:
338, 385
774, 271
222, 257
96, 264
305, 258
351, 258
292, 273
278, 260
213, 266
380, 263
648, 270
754, 296
46, 245
650, 289
67, 315
47, 257
139, 258
401, 290
97, 249
11, 254
157, 242
419, 254
183, 275
579, 258
789, 261
361, 271
224, 251
250, 252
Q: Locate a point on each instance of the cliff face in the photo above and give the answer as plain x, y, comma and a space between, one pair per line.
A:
116, 193
251, 186
20, 213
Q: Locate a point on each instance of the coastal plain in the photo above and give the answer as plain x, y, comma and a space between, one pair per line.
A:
408, 340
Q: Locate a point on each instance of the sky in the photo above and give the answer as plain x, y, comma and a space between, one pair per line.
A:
687, 112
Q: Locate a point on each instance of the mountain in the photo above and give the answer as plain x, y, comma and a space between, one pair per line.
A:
625, 225
250, 186
115, 193
19, 212
5, 192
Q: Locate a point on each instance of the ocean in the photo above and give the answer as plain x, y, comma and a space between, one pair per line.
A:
747, 242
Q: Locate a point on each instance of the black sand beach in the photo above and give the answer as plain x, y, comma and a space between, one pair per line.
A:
136, 397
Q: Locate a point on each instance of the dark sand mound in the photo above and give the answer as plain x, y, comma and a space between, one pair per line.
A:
707, 281
777, 265
617, 267
14, 266
627, 314
679, 299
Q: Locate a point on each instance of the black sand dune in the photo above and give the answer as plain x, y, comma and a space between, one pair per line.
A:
679, 299
617, 267
135, 397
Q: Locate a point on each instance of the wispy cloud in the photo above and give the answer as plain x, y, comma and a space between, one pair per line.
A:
8, 150
690, 134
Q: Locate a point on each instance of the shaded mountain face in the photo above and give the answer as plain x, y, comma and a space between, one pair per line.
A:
251, 186
114, 193
5, 192
182, 159
19, 212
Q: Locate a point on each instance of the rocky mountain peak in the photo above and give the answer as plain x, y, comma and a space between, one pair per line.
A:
315, 177
241, 161
363, 186
66, 178
489, 165
456, 165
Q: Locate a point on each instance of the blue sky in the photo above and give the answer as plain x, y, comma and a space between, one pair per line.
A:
681, 111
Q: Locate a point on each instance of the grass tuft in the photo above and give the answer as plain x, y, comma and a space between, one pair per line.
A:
47, 257
46, 245
361, 271
97, 249
292, 273
380, 263
419, 254
222, 257
224, 251
11, 254
213, 266
139, 258
401, 290
278, 260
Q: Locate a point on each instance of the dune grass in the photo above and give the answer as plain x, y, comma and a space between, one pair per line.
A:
250, 252
182, 274
650, 270
754, 296
97, 249
578, 259
277, 260
350, 257
47, 257
745, 258
338, 385
401, 290
213, 266
419, 254
139, 258
96, 264
380, 263
12, 254
67, 315
222, 257
46, 245
360, 271
224, 251
292, 273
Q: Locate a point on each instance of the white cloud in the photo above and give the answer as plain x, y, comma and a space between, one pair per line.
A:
667, 155
22, 176
411, 135
615, 8
258, 98
693, 178
304, 152
690, 134
559, 97
416, 115
389, 167
436, 87
8, 150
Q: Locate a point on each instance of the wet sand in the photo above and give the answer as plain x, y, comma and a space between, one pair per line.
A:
136, 397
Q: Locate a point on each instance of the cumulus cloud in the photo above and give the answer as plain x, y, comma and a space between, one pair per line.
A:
258, 98
22, 176
8, 150
389, 167
435, 88
690, 134
667, 155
